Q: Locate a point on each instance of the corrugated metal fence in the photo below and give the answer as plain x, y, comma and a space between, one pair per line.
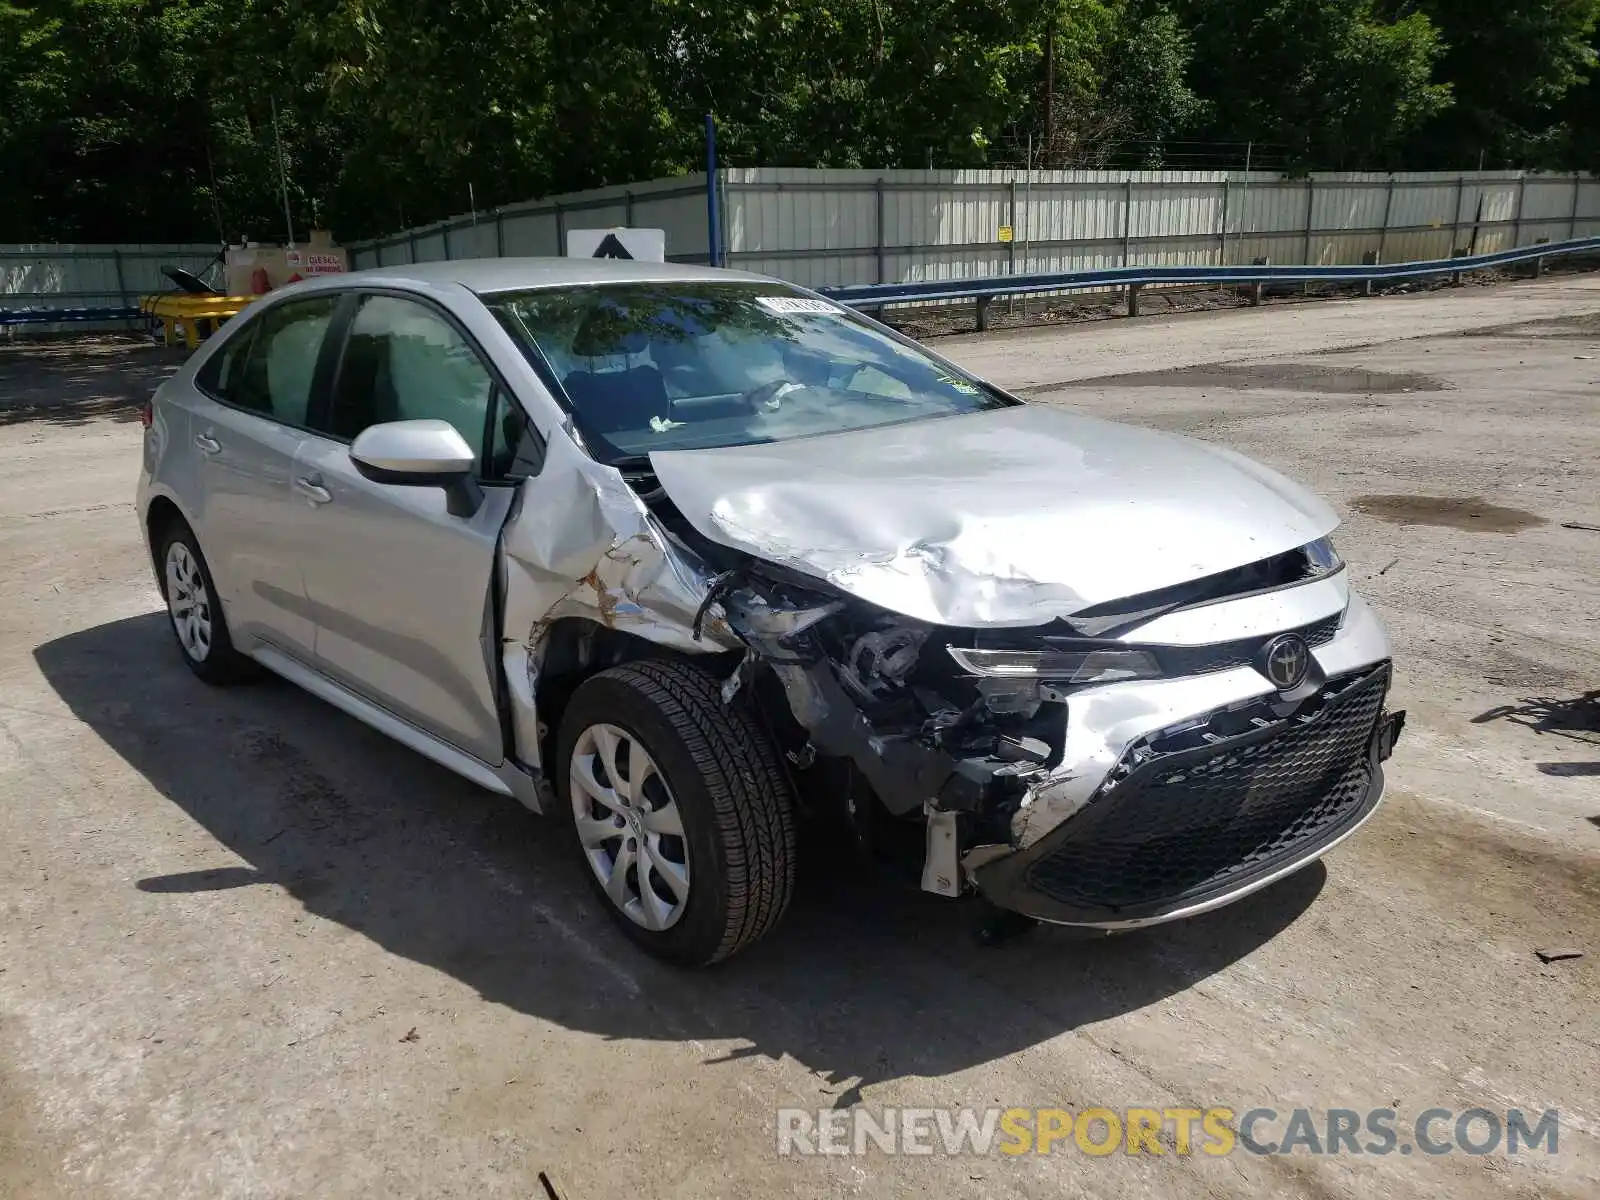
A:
827, 228
539, 227
835, 227
91, 276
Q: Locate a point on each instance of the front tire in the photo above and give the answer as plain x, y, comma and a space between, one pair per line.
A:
680, 810
196, 615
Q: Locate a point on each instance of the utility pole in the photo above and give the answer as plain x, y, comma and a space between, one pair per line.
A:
1049, 91
283, 176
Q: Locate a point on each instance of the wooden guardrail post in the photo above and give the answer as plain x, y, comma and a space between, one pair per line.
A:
1369, 259
1455, 276
983, 313
1133, 298
1538, 263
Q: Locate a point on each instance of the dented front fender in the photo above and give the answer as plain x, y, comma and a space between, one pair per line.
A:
581, 543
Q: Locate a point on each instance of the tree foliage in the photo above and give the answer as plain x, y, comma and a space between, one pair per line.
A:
176, 119
1333, 82
1514, 63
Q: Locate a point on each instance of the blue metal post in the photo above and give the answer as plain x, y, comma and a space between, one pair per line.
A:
713, 217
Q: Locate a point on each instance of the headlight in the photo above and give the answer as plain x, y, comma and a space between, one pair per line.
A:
1321, 558
1060, 666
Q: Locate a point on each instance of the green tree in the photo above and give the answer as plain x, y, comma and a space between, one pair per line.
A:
169, 119
851, 82
135, 120
1512, 64
1148, 80
1334, 81
1578, 143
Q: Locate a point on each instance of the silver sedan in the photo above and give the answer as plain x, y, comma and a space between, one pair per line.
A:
684, 556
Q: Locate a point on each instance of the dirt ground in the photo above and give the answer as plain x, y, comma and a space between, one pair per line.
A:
250, 948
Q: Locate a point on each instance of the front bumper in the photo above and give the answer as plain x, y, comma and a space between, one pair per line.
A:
1181, 828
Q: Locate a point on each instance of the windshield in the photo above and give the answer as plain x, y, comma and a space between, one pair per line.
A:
677, 366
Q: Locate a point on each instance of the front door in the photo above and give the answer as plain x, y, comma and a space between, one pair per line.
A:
400, 589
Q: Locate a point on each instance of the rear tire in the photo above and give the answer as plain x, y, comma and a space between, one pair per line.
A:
194, 612
649, 748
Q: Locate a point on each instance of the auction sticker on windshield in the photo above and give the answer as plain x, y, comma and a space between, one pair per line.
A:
795, 304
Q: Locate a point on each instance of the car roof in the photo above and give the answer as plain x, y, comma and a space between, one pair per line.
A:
487, 275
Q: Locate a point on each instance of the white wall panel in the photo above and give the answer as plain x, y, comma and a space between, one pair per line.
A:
852, 226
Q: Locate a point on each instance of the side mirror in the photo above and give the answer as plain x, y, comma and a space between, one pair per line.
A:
424, 453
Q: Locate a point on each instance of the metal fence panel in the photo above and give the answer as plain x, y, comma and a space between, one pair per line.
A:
538, 228
91, 276
836, 226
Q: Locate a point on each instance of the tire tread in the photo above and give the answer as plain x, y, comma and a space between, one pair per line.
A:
748, 787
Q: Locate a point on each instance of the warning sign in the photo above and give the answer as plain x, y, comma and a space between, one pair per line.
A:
1005, 233
315, 262
644, 245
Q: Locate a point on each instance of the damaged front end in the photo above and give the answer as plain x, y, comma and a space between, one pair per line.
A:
1130, 763
883, 694
1071, 772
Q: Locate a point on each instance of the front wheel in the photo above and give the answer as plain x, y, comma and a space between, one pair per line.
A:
680, 809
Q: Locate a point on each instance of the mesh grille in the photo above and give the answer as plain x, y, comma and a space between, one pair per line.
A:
1192, 823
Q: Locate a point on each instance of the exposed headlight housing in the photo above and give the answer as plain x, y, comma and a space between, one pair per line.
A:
1097, 665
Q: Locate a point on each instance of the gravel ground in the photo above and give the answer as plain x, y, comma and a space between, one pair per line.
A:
251, 949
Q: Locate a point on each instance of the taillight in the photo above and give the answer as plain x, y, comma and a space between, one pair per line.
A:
147, 414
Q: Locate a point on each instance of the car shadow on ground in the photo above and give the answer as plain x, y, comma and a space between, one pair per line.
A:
863, 982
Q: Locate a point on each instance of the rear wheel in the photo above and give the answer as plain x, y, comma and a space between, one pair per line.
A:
680, 810
197, 619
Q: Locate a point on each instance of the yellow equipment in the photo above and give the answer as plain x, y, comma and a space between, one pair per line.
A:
191, 316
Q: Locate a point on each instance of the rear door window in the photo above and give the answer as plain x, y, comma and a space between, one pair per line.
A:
269, 368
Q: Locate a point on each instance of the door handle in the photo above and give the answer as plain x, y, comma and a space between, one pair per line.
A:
207, 444
311, 488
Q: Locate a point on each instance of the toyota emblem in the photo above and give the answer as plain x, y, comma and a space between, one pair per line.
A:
1286, 661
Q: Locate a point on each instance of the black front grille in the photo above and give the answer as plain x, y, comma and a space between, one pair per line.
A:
1225, 656
1192, 823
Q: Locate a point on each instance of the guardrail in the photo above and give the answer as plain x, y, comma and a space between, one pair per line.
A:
188, 316
984, 290
52, 316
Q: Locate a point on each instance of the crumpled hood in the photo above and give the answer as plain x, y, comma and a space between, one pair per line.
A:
1003, 518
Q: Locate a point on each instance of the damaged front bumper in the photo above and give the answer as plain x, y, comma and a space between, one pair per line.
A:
1160, 798
1187, 825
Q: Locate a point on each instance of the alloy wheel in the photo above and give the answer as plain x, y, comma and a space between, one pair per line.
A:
629, 826
189, 602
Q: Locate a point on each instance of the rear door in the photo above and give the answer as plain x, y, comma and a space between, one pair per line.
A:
401, 589
246, 424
